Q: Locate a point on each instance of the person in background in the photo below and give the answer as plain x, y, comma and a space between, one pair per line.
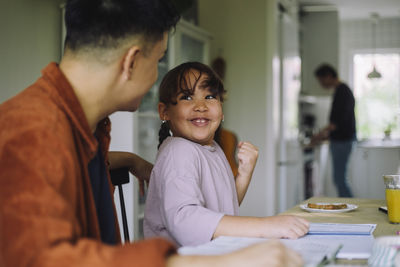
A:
56, 204
341, 130
193, 196
225, 138
228, 141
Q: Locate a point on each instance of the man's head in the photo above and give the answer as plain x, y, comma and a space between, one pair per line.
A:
107, 25
120, 42
327, 76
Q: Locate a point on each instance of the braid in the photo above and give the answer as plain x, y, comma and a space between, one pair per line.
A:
163, 133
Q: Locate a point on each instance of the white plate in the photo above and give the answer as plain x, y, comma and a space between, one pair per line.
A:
349, 208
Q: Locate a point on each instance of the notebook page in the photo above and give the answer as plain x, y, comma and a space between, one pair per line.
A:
353, 246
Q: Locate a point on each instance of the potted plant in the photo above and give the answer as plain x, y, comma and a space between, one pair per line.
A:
388, 129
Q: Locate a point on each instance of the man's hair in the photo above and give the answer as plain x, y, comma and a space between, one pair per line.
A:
325, 70
107, 23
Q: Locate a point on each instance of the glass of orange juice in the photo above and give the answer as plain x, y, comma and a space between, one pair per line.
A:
392, 183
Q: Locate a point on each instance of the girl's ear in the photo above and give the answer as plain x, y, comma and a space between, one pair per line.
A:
129, 61
163, 111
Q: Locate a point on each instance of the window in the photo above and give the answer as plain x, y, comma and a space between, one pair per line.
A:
377, 100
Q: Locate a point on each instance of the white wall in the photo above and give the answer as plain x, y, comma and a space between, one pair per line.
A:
241, 36
319, 44
122, 140
30, 39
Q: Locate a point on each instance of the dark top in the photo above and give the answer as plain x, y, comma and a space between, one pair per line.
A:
342, 114
102, 198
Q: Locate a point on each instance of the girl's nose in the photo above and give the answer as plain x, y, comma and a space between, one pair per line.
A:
200, 106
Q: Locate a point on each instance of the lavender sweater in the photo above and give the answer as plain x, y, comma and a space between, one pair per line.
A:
191, 188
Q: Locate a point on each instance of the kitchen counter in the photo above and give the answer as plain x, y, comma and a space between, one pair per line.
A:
379, 143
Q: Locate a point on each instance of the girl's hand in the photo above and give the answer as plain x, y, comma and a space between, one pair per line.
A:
139, 167
285, 226
247, 156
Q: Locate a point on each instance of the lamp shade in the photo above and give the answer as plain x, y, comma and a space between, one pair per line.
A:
374, 74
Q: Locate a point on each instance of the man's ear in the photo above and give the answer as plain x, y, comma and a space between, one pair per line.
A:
129, 61
162, 112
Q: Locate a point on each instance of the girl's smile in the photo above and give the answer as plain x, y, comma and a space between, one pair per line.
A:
199, 122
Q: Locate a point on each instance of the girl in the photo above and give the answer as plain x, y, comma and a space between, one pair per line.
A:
193, 196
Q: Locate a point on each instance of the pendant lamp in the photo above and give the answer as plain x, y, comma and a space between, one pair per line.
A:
374, 74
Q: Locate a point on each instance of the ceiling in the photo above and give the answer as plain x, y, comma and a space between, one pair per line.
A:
355, 9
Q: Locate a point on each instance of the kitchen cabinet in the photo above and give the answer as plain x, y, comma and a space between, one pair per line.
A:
294, 191
371, 161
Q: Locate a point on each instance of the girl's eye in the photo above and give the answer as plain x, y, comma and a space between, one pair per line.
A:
211, 97
186, 97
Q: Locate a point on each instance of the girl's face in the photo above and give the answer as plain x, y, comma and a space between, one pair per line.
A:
195, 117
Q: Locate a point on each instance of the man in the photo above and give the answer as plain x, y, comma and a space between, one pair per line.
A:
56, 205
341, 129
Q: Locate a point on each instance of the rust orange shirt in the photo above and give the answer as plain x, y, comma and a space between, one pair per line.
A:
47, 212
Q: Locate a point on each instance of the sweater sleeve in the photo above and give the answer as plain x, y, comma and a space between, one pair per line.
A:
183, 205
39, 207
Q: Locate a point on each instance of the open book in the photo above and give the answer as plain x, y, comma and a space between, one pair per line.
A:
356, 239
323, 243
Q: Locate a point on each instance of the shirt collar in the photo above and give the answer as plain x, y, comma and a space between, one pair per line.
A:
68, 101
